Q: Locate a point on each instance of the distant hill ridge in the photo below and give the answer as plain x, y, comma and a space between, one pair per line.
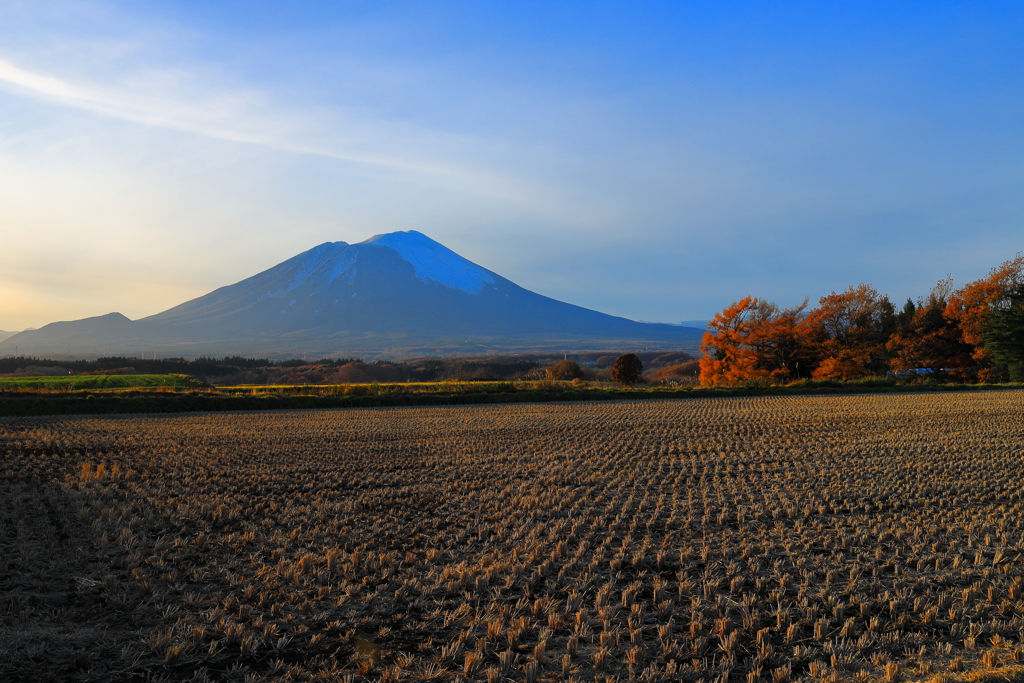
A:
395, 293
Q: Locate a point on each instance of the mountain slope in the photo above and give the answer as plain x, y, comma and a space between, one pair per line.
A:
398, 290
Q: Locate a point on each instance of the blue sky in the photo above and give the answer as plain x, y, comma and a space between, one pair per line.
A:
651, 160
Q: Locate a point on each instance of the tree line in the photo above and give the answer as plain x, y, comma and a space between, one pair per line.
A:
197, 367
971, 334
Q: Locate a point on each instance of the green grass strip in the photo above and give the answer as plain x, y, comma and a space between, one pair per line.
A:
97, 382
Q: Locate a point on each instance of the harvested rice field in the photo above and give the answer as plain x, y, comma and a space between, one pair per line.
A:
813, 538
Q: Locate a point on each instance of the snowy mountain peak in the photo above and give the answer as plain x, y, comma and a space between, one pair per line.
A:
435, 262
313, 259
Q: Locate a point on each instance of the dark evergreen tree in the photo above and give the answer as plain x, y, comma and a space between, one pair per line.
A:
904, 317
1004, 333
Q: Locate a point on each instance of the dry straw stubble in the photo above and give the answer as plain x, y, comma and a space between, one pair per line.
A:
831, 538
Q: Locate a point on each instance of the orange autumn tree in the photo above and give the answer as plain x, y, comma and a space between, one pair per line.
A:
858, 333
751, 340
782, 342
969, 308
847, 333
928, 339
727, 355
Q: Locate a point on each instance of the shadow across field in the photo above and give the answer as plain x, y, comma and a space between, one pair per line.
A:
309, 397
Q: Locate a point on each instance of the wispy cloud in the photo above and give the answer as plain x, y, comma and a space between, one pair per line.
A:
148, 98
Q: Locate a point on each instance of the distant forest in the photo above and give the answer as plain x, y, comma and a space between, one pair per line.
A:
660, 366
971, 334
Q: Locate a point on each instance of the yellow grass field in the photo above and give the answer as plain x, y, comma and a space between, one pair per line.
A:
818, 538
